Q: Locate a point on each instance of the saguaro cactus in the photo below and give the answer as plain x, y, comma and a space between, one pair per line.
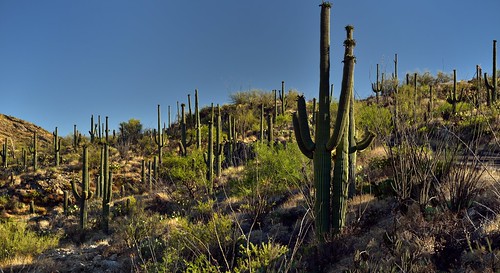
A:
106, 201
197, 119
321, 149
57, 147
4, 153
283, 98
261, 135
209, 155
160, 137
93, 128
86, 194
183, 144
77, 137
218, 145
377, 87
34, 151
453, 99
492, 88
106, 188
270, 131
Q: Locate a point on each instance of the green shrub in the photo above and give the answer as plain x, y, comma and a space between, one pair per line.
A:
17, 240
265, 257
274, 170
187, 174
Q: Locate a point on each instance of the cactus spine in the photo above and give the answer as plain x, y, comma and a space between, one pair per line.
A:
377, 86
492, 88
57, 147
34, 151
160, 138
86, 194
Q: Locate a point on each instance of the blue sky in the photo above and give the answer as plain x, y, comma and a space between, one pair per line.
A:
61, 61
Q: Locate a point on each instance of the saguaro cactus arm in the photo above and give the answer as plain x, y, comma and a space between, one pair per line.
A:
364, 143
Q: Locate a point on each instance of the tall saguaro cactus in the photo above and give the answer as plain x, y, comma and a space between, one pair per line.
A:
377, 87
160, 138
209, 155
86, 194
4, 153
321, 149
34, 151
218, 145
492, 88
453, 99
57, 147
197, 120
283, 98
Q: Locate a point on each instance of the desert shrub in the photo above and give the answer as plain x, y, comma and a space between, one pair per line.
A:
266, 257
192, 246
274, 170
186, 174
374, 118
17, 240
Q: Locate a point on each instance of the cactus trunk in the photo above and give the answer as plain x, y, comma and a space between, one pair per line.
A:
86, 194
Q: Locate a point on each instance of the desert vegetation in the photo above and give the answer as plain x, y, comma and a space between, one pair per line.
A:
403, 181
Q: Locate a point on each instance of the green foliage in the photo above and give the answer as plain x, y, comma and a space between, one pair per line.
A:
187, 173
195, 245
374, 118
252, 97
17, 240
274, 170
131, 130
265, 257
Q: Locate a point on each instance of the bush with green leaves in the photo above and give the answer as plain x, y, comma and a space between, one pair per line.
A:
275, 170
186, 174
16, 239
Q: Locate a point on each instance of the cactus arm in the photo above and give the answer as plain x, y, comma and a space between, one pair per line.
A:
303, 127
342, 117
364, 143
75, 191
296, 128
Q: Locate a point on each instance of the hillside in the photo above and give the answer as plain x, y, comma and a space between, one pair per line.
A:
20, 132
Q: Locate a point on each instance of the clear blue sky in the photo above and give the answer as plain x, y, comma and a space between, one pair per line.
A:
61, 61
